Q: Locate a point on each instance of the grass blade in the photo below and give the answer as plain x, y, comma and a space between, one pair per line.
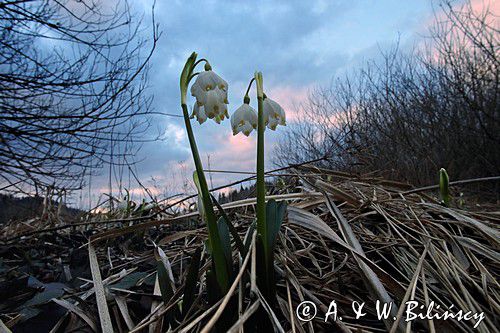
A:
374, 285
165, 277
102, 305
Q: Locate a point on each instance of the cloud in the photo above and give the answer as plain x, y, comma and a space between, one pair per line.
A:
479, 6
237, 153
298, 45
290, 98
176, 134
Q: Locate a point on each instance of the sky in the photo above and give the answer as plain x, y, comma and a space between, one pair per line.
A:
297, 45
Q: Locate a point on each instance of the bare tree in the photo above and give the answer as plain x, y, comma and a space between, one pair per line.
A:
72, 89
415, 111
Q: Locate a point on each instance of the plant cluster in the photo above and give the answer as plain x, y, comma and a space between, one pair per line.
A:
211, 93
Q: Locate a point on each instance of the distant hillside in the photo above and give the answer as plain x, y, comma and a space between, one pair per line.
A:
20, 209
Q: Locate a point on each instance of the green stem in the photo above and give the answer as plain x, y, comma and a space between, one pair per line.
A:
193, 75
266, 280
261, 185
213, 232
196, 63
249, 86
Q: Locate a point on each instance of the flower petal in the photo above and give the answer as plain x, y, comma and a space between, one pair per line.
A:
246, 129
199, 113
273, 114
208, 80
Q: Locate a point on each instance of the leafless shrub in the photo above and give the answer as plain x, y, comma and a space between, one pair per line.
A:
72, 82
415, 111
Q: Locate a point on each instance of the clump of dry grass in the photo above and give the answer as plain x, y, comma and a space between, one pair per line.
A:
345, 238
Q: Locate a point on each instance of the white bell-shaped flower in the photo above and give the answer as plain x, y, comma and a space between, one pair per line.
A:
244, 120
214, 103
274, 114
199, 113
209, 81
213, 108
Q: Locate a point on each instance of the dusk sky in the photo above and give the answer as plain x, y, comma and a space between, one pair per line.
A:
298, 45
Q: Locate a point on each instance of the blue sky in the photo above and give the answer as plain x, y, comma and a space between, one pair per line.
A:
298, 45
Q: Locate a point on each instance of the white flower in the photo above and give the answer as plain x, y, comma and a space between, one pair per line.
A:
244, 120
213, 108
199, 112
210, 91
274, 114
208, 80
214, 103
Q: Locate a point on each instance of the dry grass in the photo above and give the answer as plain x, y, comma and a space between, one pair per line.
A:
345, 239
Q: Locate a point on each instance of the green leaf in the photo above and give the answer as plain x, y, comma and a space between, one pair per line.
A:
215, 244
225, 242
186, 73
163, 280
208, 246
271, 208
191, 279
444, 186
232, 229
275, 212
166, 283
213, 290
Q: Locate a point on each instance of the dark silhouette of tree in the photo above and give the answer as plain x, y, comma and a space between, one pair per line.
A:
72, 89
414, 112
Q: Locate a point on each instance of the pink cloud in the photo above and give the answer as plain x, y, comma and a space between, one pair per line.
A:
236, 153
479, 6
231, 153
290, 99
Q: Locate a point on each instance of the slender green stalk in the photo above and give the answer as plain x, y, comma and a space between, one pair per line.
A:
249, 86
261, 185
221, 271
